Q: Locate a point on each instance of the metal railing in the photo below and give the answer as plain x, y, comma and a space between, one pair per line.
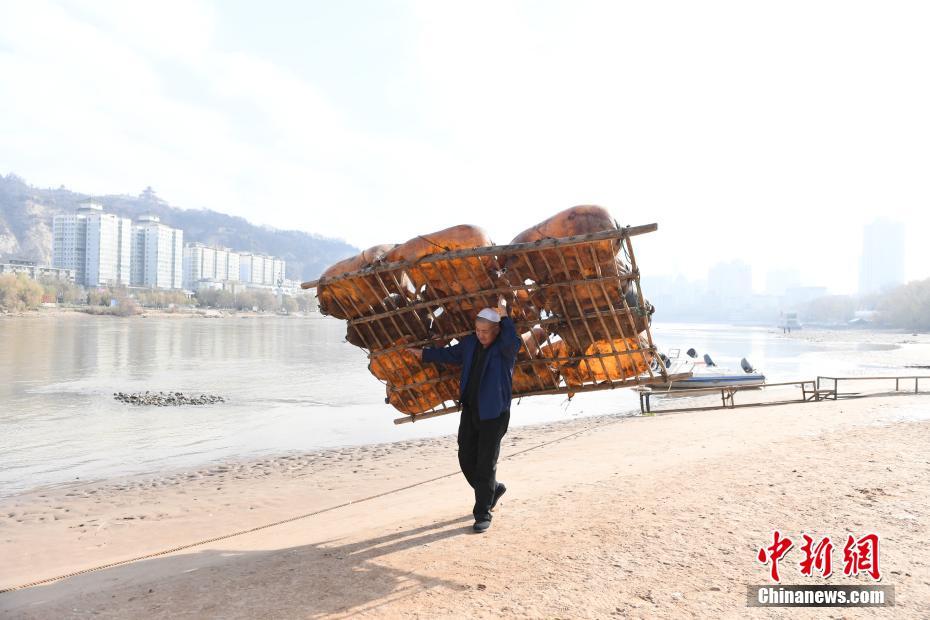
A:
897, 383
812, 390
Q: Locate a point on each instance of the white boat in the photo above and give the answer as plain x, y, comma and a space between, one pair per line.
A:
705, 374
717, 380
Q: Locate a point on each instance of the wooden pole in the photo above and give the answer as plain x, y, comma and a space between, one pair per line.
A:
493, 250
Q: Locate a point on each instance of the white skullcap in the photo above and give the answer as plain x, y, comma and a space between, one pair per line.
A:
490, 315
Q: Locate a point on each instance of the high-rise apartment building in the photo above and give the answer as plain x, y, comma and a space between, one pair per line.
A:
157, 254
96, 245
203, 263
881, 265
260, 269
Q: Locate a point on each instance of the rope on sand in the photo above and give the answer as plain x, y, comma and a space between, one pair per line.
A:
163, 552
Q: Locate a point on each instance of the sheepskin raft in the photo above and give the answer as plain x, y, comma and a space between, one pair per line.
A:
571, 283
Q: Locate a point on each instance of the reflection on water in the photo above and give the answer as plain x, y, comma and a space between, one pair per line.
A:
291, 384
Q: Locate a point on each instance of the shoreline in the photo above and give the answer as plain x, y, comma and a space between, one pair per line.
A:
204, 313
811, 334
622, 489
284, 459
915, 351
883, 336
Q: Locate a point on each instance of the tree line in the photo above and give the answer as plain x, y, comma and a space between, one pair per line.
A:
904, 307
19, 293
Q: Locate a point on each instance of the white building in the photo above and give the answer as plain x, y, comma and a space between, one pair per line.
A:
157, 254
69, 243
261, 270
205, 264
96, 245
881, 265
35, 271
108, 249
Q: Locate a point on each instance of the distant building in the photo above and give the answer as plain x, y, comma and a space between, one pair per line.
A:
34, 271
93, 244
69, 243
292, 288
800, 295
731, 280
258, 269
881, 265
157, 254
676, 297
778, 281
202, 263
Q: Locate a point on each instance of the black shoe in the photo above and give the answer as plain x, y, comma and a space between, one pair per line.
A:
499, 490
481, 526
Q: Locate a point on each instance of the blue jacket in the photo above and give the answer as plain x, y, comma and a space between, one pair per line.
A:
496, 386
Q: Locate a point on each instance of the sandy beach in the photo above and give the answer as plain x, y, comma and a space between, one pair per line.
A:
860, 336
628, 517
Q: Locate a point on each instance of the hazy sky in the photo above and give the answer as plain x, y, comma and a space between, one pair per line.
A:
767, 131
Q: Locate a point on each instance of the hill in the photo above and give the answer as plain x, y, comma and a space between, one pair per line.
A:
26, 214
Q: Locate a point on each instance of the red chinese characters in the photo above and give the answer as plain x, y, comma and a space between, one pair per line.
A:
778, 548
861, 556
819, 557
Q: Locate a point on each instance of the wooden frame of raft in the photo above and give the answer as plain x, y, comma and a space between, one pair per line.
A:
577, 302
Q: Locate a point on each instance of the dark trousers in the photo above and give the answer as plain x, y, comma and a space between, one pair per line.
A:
479, 447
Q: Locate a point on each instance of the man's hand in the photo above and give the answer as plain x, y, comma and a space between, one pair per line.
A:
501, 307
417, 353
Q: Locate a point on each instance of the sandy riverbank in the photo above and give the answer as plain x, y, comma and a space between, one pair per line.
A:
859, 336
639, 517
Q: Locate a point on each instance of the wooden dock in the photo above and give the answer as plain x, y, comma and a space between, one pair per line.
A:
809, 390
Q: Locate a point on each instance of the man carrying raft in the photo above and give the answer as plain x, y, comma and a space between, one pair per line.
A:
441, 329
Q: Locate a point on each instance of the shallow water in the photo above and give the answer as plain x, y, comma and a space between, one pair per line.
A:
291, 384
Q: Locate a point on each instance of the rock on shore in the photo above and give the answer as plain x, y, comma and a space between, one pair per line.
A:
166, 399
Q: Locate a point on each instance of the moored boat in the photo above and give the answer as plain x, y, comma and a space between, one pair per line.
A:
705, 374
